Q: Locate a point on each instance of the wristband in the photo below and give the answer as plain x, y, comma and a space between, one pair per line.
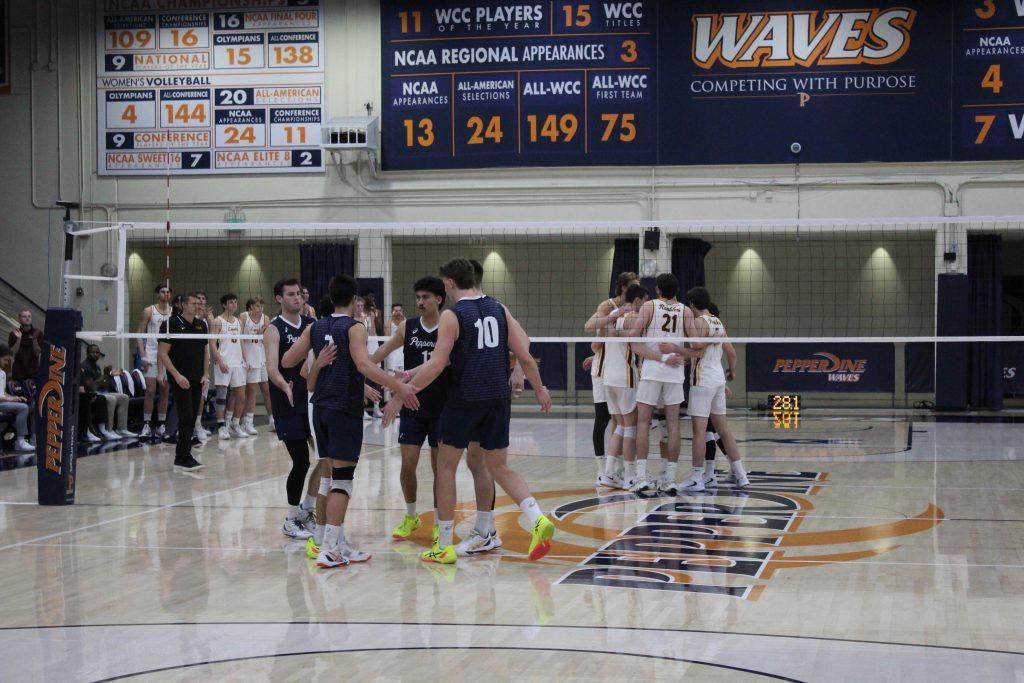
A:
665, 357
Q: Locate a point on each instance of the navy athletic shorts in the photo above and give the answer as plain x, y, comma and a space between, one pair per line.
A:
338, 435
484, 421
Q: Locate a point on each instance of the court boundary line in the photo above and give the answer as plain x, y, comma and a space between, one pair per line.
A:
457, 648
308, 622
178, 503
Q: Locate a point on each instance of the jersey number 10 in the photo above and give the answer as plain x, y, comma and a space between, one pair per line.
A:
486, 332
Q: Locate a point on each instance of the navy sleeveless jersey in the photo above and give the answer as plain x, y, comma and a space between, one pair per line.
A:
340, 385
418, 347
289, 334
479, 361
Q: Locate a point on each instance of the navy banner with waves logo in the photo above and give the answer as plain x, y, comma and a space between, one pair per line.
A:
820, 367
56, 407
583, 83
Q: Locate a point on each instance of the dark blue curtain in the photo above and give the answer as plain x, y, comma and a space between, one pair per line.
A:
625, 260
952, 359
318, 263
985, 275
919, 368
688, 263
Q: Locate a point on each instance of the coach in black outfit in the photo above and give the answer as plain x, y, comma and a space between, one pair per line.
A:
187, 362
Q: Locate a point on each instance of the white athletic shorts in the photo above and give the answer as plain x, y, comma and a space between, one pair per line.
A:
256, 375
233, 378
706, 401
651, 392
621, 400
598, 389
155, 370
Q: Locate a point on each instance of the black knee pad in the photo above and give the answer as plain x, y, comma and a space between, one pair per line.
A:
341, 479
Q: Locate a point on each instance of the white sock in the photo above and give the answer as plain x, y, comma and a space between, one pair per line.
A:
331, 534
308, 502
709, 467
318, 534
630, 470
609, 465
532, 510
199, 421
410, 509
619, 463
248, 419
341, 534
485, 521
641, 469
697, 474
294, 511
444, 537
437, 516
229, 415
670, 471
162, 417
737, 467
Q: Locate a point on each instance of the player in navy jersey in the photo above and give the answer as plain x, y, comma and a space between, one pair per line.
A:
289, 405
339, 373
475, 336
416, 338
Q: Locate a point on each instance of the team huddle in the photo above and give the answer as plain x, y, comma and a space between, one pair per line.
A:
451, 377
631, 381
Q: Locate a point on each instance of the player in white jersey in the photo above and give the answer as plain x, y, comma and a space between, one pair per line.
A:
662, 379
156, 375
708, 392
621, 376
599, 321
254, 322
229, 370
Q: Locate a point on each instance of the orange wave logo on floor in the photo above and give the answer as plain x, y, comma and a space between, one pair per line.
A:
731, 543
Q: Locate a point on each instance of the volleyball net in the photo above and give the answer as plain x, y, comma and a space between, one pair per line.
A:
848, 308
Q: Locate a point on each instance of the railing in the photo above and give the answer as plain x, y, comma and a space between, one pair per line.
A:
12, 302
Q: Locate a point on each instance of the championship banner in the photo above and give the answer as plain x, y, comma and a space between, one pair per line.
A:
585, 83
826, 367
206, 86
5, 48
56, 407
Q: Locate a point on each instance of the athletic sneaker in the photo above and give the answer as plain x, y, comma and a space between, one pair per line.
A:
710, 480
439, 555
351, 554
478, 543
409, 524
236, 430
435, 534
610, 481
273, 427
312, 549
160, 432
664, 484
250, 429
189, 464
294, 529
146, 431
109, 435
202, 434
741, 479
330, 557
692, 484
540, 540
223, 433
22, 444
644, 486
91, 438
308, 518
127, 434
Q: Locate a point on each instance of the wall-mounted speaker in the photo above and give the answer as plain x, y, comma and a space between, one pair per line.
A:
652, 239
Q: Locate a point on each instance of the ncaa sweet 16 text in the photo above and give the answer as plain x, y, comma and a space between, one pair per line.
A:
202, 86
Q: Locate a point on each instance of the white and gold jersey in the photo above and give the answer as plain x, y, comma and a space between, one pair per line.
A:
257, 355
230, 349
707, 370
620, 368
667, 324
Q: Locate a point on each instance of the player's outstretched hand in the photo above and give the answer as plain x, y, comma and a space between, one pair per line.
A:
391, 411
406, 393
674, 361
327, 355
665, 347
544, 398
728, 392
588, 362
370, 394
288, 394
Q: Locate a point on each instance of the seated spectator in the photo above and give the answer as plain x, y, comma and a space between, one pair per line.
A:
15, 406
92, 410
116, 404
26, 344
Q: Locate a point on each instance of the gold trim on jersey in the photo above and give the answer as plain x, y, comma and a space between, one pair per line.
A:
600, 362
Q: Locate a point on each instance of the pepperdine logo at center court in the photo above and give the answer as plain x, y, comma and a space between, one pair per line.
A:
802, 38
